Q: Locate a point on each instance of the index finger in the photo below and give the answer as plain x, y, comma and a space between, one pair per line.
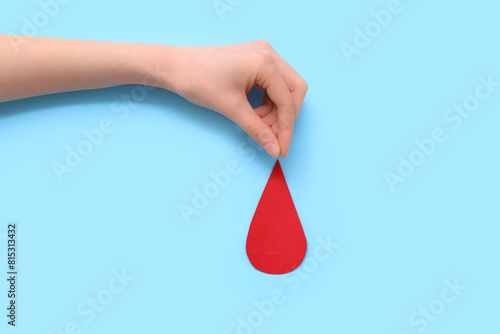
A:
277, 89
296, 84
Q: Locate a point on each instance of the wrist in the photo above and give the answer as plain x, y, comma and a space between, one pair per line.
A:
151, 65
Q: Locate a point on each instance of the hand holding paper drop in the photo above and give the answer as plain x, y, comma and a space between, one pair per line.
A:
276, 243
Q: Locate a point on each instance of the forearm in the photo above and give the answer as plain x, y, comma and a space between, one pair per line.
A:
51, 65
215, 77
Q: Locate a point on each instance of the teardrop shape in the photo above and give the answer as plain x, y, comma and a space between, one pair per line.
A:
276, 243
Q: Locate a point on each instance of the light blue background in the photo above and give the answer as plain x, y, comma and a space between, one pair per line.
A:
119, 208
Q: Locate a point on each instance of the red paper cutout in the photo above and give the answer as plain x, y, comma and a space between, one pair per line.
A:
276, 243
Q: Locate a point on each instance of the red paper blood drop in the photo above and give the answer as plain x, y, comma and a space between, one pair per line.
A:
276, 243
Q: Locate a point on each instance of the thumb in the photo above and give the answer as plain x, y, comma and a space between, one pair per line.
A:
262, 133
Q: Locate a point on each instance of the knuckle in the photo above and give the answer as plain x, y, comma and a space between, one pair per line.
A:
263, 44
265, 54
263, 57
305, 86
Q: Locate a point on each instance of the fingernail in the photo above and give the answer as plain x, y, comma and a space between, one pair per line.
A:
272, 149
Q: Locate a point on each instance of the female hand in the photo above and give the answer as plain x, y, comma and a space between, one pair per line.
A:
219, 78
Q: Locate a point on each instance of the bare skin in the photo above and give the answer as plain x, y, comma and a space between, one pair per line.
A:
215, 77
